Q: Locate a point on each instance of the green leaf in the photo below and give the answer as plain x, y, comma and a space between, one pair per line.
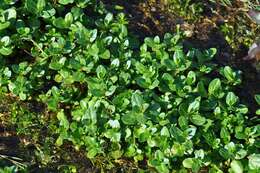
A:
169, 64
257, 98
165, 132
68, 19
6, 51
198, 120
254, 161
92, 152
188, 163
236, 166
31, 6
4, 25
93, 35
52, 104
108, 18
258, 112
11, 13
142, 82
60, 23
22, 96
65, 2
232, 76
96, 86
137, 99
93, 50
114, 123
194, 106
242, 109
225, 153
162, 168
101, 71
191, 131
129, 118
40, 5
201, 89
6, 40
83, 3
199, 154
59, 141
140, 68
105, 54
225, 135
183, 109
178, 58
63, 119
215, 88
130, 152
113, 135
57, 65
7, 72
177, 134
210, 53
183, 122
241, 154
191, 78
178, 149
231, 99
48, 12
228, 73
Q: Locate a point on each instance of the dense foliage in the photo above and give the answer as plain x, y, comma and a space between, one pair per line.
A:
155, 104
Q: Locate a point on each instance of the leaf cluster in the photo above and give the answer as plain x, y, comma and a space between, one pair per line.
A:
151, 103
